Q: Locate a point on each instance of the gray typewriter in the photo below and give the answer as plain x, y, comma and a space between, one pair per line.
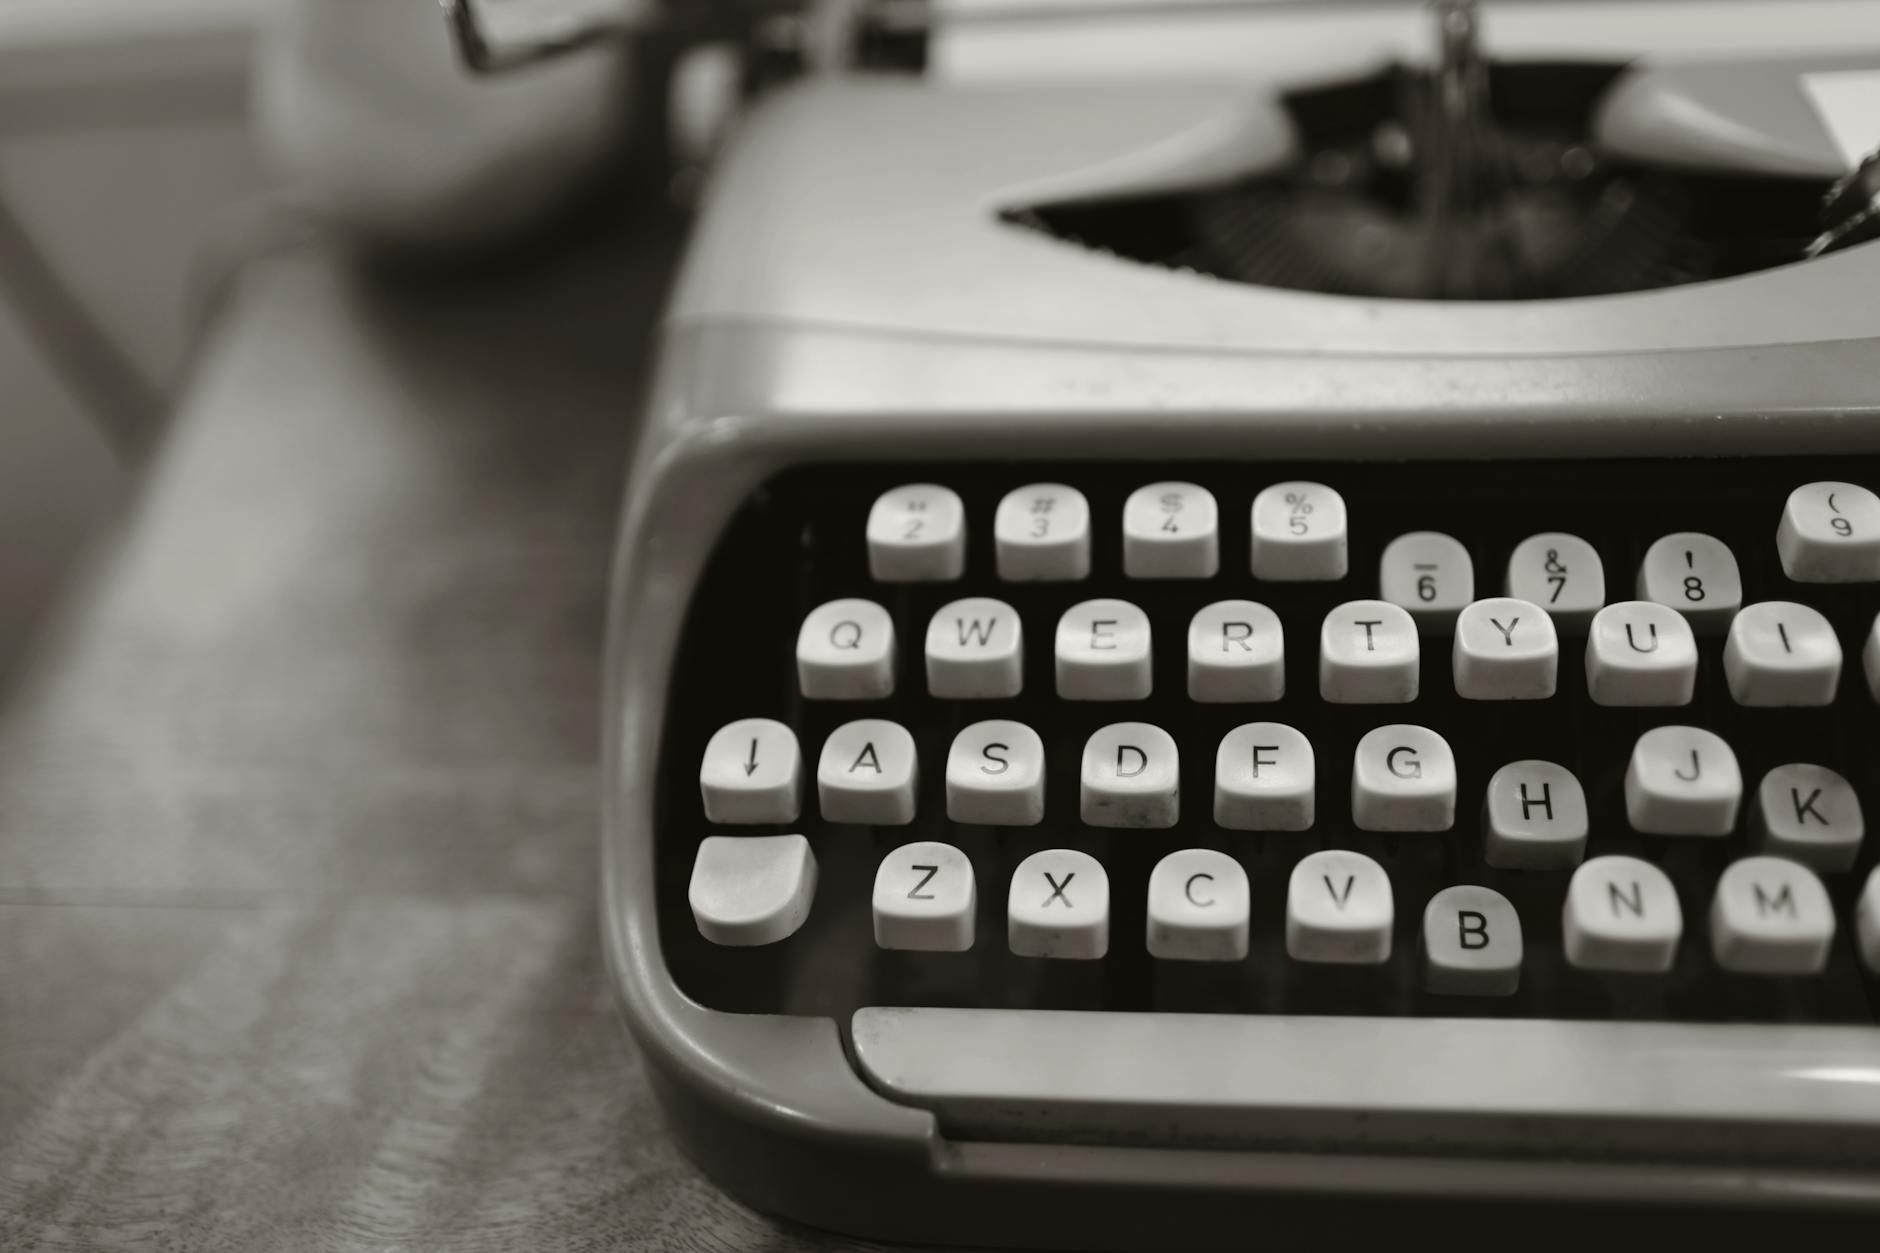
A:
1240, 621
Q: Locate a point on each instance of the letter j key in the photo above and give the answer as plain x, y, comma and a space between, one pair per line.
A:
1682, 781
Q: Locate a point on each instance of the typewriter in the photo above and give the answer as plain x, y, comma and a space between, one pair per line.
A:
1241, 620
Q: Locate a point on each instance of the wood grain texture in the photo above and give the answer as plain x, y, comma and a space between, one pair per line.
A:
299, 804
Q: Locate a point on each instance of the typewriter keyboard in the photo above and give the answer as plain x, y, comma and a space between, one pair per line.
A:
1544, 739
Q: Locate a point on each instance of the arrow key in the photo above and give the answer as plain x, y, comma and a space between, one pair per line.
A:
752, 772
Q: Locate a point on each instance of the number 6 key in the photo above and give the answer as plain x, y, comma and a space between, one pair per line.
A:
1429, 574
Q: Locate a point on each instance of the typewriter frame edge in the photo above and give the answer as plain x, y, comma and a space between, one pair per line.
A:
772, 1107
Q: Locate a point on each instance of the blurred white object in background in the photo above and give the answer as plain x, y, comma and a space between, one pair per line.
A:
123, 141
365, 110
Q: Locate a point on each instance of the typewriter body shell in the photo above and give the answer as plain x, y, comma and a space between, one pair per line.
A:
851, 297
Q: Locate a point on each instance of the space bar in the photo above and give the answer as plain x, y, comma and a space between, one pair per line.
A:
1377, 1084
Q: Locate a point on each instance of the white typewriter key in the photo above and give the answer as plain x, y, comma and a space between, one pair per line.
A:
975, 650
1171, 531
1682, 781
1830, 533
1403, 778
845, 651
1059, 906
1505, 649
1640, 653
924, 899
1103, 652
1263, 779
752, 889
867, 774
1299, 533
1782, 653
1368, 655
995, 775
1198, 907
1236, 653
1042, 534
1867, 921
1536, 817
1471, 943
1621, 914
1809, 814
752, 772
1562, 574
1695, 575
917, 534
1131, 777
1770, 916
1429, 574
1338, 909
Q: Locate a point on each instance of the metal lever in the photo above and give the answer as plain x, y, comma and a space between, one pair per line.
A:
1850, 212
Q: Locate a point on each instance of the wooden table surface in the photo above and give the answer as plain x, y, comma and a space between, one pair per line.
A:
299, 802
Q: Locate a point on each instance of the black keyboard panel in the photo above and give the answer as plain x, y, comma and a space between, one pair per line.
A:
799, 541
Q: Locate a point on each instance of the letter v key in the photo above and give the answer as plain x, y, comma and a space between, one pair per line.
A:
1338, 897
